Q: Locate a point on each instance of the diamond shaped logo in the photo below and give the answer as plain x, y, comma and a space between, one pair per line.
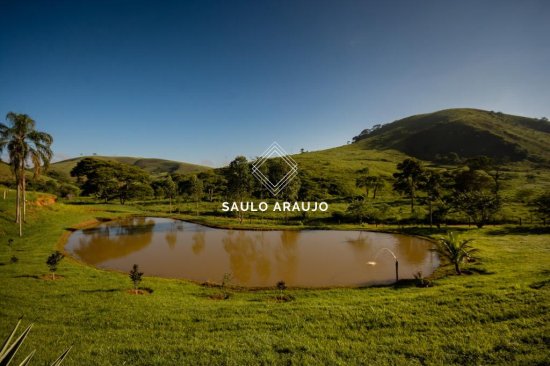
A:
275, 150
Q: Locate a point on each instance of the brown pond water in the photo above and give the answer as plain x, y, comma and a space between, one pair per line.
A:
308, 258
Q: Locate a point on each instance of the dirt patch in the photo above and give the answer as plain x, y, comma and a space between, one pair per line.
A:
44, 201
140, 291
48, 277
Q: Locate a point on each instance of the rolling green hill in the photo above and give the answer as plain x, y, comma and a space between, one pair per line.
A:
467, 132
153, 166
423, 136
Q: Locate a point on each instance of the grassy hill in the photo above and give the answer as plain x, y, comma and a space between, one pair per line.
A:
153, 166
467, 132
382, 149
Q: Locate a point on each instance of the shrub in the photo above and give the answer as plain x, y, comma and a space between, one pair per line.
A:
136, 277
53, 261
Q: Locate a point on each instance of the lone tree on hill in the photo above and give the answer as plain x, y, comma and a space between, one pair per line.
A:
27, 148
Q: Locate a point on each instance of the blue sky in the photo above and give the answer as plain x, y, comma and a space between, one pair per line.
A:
204, 81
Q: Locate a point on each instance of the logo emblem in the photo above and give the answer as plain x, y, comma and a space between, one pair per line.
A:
275, 150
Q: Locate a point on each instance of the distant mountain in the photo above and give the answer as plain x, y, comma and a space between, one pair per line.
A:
466, 132
153, 166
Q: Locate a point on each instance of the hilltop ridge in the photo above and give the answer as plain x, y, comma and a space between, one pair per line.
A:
464, 131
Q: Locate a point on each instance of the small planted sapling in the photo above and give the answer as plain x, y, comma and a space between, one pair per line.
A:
281, 285
53, 261
135, 277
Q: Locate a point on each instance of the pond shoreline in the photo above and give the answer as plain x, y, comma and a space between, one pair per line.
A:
90, 224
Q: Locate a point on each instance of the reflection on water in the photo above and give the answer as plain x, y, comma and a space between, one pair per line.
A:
317, 258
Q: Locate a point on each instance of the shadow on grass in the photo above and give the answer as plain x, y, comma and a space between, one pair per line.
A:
79, 203
540, 284
100, 291
506, 230
481, 271
28, 276
401, 284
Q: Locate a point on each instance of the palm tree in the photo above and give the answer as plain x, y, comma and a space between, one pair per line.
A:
27, 148
455, 250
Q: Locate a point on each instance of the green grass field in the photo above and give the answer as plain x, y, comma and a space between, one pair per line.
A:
498, 315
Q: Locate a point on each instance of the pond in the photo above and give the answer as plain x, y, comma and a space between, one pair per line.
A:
171, 248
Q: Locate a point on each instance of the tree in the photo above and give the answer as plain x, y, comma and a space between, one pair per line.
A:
53, 261
291, 192
239, 180
358, 210
377, 185
170, 190
541, 206
431, 185
281, 286
197, 189
27, 148
132, 182
96, 178
477, 205
110, 179
370, 182
455, 250
136, 277
408, 179
479, 163
212, 181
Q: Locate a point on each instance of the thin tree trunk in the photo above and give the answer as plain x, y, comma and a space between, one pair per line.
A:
24, 198
20, 186
431, 214
18, 203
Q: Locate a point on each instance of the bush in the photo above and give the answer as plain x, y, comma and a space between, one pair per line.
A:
53, 261
136, 277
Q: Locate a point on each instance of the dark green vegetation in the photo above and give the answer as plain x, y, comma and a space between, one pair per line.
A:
497, 314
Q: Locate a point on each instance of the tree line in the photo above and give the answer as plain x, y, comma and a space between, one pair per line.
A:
473, 190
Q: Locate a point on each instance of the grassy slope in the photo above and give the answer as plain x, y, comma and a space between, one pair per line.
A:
477, 319
467, 132
342, 163
154, 166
